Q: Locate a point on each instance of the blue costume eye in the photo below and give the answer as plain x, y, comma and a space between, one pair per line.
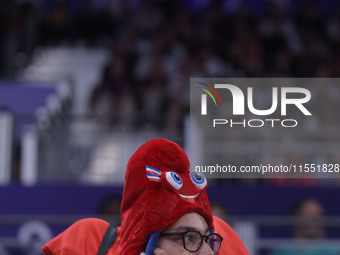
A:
174, 180
198, 179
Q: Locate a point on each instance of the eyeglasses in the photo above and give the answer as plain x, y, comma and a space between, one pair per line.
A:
193, 240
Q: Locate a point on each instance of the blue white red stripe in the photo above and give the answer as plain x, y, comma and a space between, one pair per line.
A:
152, 170
153, 177
153, 174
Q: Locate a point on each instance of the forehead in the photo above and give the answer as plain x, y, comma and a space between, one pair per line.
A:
191, 220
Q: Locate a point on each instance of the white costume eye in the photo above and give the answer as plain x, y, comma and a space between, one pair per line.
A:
174, 180
198, 179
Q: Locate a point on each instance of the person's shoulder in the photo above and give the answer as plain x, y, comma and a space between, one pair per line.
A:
87, 230
223, 227
93, 227
90, 224
83, 235
232, 243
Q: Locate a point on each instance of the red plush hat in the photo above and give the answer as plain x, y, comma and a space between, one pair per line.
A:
159, 189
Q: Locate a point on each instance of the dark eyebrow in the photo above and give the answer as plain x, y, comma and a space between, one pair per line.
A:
185, 228
188, 228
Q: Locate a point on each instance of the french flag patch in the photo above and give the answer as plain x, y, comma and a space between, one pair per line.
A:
153, 174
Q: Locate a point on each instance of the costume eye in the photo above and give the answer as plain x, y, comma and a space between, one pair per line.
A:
174, 180
198, 179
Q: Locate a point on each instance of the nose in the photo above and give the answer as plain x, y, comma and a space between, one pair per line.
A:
205, 249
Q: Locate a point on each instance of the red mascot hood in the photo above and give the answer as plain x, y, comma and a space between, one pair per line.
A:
159, 189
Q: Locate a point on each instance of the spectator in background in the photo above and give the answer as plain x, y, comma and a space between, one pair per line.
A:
111, 100
109, 209
219, 210
308, 212
56, 25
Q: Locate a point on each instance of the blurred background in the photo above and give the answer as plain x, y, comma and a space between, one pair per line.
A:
84, 83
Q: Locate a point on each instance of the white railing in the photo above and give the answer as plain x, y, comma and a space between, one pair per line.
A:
6, 146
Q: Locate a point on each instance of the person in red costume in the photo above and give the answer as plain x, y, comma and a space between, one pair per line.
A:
165, 211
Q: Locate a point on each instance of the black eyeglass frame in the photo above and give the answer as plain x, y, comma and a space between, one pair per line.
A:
204, 238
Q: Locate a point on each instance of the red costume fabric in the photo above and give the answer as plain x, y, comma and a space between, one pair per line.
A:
82, 238
159, 189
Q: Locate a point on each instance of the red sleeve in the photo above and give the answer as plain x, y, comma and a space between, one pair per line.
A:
83, 237
232, 243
